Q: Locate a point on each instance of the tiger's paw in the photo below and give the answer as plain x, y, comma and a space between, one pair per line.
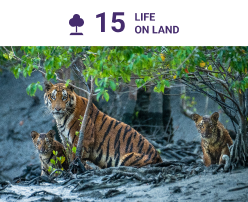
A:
227, 160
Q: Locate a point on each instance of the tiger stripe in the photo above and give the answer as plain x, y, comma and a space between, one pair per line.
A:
96, 116
141, 147
135, 133
150, 146
140, 140
107, 156
105, 135
131, 148
128, 142
117, 123
126, 131
117, 136
117, 150
137, 160
126, 159
98, 158
102, 124
109, 164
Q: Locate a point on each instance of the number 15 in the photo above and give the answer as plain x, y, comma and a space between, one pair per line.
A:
114, 20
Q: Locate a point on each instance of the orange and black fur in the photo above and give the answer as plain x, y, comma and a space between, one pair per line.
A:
107, 142
215, 139
45, 145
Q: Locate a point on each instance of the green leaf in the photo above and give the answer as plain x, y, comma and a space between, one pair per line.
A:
52, 161
28, 89
50, 169
11, 55
112, 85
62, 159
106, 96
6, 56
98, 96
74, 149
67, 82
167, 83
76, 133
40, 87
33, 89
96, 82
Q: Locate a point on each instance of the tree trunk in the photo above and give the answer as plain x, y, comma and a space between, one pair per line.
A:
183, 106
239, 150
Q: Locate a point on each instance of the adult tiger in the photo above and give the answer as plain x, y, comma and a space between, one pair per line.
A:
107, 142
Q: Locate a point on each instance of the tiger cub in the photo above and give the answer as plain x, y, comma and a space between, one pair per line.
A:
107, 142
215, 139
45, 145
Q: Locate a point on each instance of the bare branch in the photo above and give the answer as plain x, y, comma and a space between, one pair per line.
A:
80, 148
206, 70
83, 79
74, 61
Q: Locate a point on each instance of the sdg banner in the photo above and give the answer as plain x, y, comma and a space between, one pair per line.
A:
123, 100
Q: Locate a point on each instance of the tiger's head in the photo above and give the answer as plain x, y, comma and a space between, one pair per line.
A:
59, 99
206, 125
43, 142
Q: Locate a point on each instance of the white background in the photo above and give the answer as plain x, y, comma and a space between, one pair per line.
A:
46, 22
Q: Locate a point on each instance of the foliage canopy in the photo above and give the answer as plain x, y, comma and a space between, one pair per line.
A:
112, 65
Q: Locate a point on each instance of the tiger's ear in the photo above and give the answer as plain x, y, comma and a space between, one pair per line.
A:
214, 117
48, 85
70, 86
51, 134
195, 117
34, 134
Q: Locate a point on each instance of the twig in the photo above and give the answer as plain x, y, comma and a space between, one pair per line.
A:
168, 124
74, 61
85, 83
206, 70
171, 135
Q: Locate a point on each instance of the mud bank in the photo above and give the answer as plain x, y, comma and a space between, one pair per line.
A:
202, 187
